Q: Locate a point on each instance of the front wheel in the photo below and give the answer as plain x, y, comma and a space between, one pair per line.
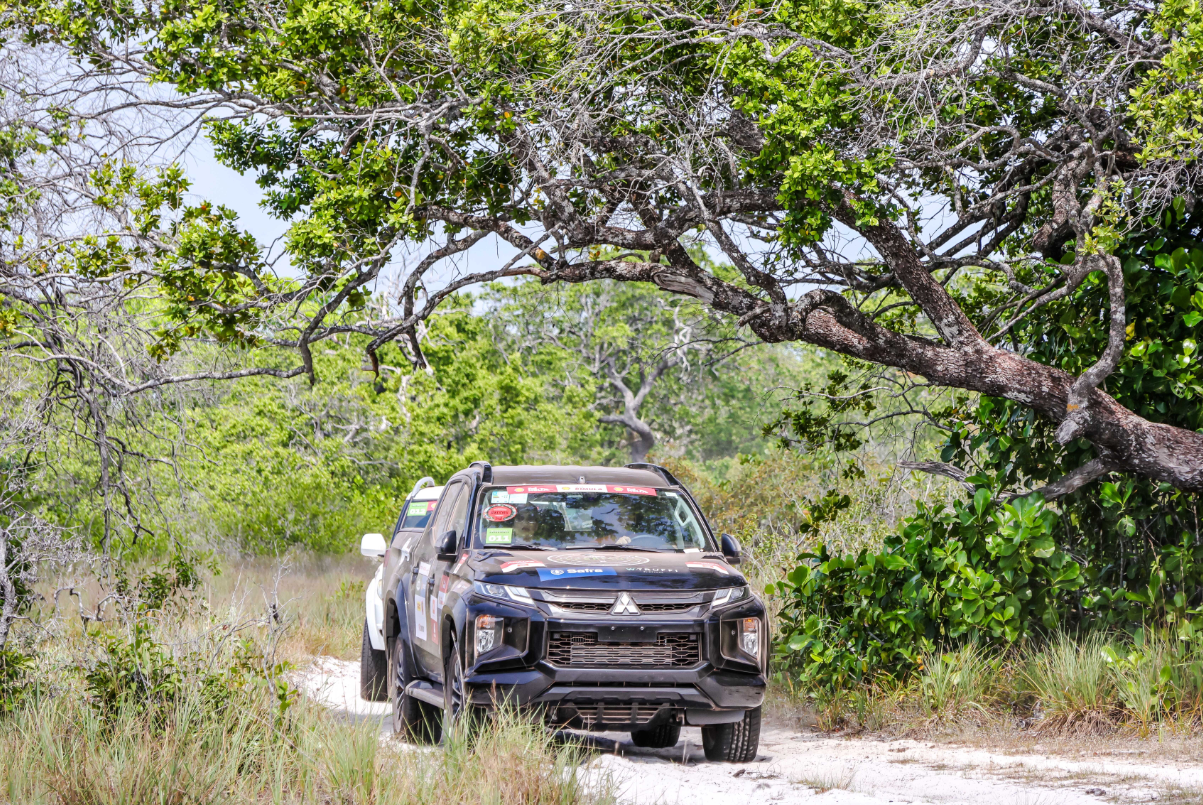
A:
413, 719
373, 671
456, 708
736, 742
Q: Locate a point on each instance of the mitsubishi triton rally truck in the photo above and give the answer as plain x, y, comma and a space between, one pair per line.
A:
595, 597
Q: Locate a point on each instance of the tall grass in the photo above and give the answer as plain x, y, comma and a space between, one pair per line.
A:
62, 750
1073, 682
954, 681
191, 704
1082, 684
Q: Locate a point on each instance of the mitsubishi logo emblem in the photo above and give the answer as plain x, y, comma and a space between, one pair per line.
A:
624, 606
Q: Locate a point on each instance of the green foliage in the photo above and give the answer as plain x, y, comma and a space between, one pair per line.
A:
1119, 553
136, 673
15, 668
984, 570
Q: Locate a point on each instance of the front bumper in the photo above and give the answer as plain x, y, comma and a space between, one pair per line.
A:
713, 690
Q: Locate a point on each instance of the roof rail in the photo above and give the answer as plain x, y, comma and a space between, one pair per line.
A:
486, 471
422, 484
668, 476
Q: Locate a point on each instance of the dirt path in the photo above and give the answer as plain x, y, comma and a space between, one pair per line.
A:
802, 766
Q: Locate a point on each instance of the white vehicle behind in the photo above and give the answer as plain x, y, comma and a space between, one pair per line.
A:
416, 512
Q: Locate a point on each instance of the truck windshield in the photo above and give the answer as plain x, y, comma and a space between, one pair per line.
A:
588, 516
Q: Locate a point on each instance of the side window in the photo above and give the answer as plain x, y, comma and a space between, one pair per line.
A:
459, 514
442, 514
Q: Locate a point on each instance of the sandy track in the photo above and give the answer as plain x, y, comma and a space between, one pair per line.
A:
804, 766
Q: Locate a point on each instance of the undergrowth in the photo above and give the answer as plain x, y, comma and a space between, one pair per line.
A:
1094, 684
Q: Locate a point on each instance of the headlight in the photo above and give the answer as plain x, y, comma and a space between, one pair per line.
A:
729, 596
749, 637
505, 591
742, 640
488, 633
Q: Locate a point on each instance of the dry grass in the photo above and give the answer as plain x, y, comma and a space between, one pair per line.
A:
842, 779
241, 745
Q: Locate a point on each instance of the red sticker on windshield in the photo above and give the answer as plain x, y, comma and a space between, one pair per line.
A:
500, 512
621, 490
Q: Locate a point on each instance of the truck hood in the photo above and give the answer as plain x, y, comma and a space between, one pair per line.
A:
605, 570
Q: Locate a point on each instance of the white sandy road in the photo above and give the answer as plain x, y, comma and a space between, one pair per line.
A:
805, 766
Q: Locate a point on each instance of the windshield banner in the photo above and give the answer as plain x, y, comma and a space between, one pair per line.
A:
545, 488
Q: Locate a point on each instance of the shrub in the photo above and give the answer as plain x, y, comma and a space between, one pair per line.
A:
986, 570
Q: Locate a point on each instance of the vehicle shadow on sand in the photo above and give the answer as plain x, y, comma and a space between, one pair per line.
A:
687, 751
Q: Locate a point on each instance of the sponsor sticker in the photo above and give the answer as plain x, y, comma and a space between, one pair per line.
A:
520, 564
424, 570
616, 489
499, 536
548, 573
718, 567
420, 616
443, 585
502, 496
500, 512
585, 559
463, 557
420, 507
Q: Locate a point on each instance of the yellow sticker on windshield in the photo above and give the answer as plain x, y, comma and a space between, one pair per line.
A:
499, 536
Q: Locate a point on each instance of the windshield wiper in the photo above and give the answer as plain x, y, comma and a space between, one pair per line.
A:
522, 546
610, 548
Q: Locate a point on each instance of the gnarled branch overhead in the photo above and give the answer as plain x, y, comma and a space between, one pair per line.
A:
899, 185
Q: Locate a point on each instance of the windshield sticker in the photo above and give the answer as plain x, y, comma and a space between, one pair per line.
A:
618, 490
500, 512
502, 496
692, 550
715, 566
420, 616
520, 564
499, 536
546, 574
602, 559
420, 507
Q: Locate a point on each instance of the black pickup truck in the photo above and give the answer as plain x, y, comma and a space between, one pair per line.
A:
596, 597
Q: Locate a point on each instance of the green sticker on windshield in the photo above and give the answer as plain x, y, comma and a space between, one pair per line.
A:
418, 508
499, 536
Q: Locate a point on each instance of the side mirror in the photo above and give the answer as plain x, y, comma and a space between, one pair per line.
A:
447, 544
372, 545
731, 549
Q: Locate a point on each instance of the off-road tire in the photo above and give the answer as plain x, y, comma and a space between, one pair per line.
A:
413, 719
736, 742
456, 714
662, 736
373, 671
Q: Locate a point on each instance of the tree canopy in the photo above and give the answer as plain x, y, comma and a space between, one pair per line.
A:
902, 184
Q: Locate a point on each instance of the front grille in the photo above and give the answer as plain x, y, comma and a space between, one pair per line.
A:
583, 606
666, 607
580, 650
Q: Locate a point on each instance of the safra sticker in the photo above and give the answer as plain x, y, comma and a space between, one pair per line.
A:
500, 512
499, 536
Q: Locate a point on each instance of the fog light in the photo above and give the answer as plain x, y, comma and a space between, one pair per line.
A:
488, 633
749, 637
